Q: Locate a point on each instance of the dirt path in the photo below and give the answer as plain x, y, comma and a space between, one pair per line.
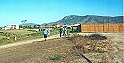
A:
27, 41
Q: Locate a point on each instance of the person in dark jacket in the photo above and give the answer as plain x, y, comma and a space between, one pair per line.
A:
60, 30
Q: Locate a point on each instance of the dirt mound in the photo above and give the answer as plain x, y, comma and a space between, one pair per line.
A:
93, 43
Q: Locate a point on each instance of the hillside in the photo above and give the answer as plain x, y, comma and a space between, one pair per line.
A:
73, 19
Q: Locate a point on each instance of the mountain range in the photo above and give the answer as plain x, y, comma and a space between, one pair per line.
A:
88, 19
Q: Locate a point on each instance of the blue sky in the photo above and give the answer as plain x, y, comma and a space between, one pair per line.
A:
45, 11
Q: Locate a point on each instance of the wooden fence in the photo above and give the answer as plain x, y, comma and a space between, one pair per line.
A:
102, 27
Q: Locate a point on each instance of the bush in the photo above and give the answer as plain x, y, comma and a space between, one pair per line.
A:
97, 37
56, 57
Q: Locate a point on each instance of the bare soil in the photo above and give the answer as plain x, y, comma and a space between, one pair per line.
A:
110, 50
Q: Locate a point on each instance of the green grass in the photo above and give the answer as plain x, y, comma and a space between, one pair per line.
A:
22, 35
21, 32
2, 36
54, 31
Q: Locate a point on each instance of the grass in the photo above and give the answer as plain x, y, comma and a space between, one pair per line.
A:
22, 35
12, 33
2, 36
21, 32
54, 31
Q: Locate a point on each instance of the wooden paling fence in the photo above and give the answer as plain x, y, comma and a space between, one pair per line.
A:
102, 27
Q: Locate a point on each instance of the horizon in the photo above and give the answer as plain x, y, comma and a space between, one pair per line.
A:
46, 11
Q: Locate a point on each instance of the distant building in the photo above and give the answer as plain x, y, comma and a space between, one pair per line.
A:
11, 26
41, 28
68, 26
58, 25
76, 27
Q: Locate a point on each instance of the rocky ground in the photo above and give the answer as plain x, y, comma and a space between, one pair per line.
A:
71, 50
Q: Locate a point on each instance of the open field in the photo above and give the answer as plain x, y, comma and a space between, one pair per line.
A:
21, 32
16, 32
8, 36
2, 36
68, 48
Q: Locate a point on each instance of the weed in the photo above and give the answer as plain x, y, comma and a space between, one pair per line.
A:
56, 57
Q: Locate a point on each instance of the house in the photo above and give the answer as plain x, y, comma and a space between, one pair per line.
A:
11, 26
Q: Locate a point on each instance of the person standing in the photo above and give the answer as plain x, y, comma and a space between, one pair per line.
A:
60, 30
64, 31
48, 31
45, 33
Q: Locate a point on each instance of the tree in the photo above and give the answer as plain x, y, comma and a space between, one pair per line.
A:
35, 26
23, 22
47, 25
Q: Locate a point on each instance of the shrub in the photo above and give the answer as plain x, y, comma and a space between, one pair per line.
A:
97, 37
56, 57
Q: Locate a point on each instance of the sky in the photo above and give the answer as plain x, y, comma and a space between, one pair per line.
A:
46, 11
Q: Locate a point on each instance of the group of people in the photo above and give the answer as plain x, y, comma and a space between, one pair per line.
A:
63, 32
